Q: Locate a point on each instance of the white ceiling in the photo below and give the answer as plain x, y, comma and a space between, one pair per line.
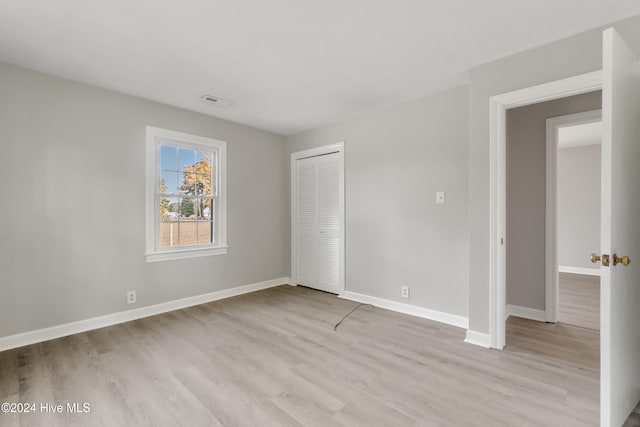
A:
580, 135
287, 65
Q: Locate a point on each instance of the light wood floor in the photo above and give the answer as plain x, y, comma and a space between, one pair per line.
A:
272, 358
579, 302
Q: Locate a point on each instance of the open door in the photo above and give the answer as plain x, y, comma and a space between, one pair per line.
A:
620, 232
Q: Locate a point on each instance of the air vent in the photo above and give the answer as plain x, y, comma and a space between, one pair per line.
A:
218, 102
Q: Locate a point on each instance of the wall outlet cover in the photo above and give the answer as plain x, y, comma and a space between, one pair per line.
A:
405, 292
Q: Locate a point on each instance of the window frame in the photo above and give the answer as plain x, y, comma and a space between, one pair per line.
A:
153, 252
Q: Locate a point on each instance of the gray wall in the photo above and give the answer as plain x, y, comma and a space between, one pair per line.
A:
72, 188
578, 205
526, 195
568, 57
395, 160
65, 260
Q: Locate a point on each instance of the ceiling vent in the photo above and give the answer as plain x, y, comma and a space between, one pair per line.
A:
218, 102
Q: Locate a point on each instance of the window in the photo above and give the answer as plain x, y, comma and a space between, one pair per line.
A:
186, 192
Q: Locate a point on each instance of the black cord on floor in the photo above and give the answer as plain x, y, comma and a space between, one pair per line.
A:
335, 328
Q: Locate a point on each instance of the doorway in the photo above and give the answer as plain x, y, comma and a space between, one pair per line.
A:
530, 160
620, 234
574, 208
532, 153
499, 105
317, 218
553, 219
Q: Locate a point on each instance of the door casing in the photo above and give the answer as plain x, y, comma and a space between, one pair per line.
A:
498, 106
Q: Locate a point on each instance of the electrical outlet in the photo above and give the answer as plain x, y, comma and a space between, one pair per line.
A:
131, 297
405, 292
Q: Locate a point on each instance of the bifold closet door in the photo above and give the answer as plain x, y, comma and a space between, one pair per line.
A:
318, 227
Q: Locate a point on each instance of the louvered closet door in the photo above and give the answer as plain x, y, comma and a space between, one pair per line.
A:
318, 225
306, 221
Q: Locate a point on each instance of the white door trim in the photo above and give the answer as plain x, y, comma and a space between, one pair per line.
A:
498, 106
551, 220
313, 152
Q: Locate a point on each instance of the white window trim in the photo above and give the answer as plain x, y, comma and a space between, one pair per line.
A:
153, 253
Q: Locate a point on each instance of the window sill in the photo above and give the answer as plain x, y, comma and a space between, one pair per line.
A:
185, 253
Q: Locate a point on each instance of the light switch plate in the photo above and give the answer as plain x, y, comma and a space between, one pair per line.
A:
440, 198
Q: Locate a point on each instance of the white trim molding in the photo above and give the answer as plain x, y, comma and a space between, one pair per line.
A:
579, 270
478, 338
59, 331
498, 106
526, 313
413, 310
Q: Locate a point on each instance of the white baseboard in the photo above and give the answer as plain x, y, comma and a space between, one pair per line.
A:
58, 331
478, 338
526, 313
579, 270
438, 316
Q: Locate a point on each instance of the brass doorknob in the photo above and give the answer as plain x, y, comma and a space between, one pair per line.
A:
624, 260
604, 258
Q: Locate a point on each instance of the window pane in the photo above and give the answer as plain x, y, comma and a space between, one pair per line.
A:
204, 185
207, 210
186, 209
203, 170
168, 158
164, 209
186, 158
205, 232
205, 225
169, 234
187, 183
169, 208
169, 225
202, 209
204, 157
168, 182
188, 231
